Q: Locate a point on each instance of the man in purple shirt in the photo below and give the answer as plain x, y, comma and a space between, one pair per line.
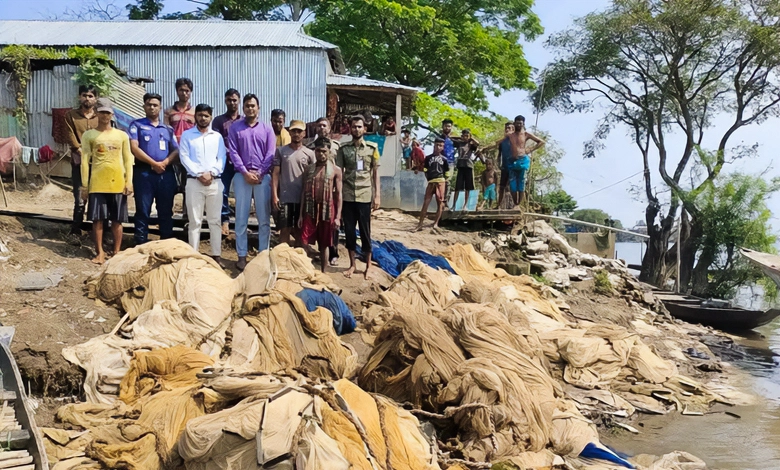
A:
251, 146
222, 124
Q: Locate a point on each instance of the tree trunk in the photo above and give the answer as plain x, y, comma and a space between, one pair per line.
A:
700, 281
691, 237
654, 263
296, 9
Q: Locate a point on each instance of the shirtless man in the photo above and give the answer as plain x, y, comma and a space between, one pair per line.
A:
521, 158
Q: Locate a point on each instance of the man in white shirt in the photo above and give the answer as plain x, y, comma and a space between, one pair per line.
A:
202, 153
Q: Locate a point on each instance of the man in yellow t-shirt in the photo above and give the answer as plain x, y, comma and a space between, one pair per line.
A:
107, 177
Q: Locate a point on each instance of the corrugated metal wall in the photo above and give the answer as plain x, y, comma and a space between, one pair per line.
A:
48, 89
288, 78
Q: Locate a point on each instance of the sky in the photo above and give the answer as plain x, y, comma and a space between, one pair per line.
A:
603, 182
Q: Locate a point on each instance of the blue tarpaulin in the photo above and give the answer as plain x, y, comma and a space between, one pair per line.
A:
597, 451
343, 320
393, 257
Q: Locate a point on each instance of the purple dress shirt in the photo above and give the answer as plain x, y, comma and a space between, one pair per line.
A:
252, 148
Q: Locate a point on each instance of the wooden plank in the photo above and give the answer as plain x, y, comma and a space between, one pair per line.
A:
7, 395
22, 467
16, 439
16, 462
15, 454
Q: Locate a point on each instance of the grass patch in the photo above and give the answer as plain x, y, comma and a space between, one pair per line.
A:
601, 282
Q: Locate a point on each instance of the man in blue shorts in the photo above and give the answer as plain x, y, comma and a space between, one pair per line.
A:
521, 158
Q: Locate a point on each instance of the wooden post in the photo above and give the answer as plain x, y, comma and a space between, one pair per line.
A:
398, 106
679, 229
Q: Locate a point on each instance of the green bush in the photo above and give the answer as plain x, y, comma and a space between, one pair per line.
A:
601, 283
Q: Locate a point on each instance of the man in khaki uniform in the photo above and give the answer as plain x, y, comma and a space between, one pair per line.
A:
359, 161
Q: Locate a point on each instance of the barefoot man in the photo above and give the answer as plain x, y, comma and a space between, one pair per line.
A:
521, 158
437, 171
107, 177
359, 161
321, 200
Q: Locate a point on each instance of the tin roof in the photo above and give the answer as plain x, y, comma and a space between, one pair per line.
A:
173, 33
337, 81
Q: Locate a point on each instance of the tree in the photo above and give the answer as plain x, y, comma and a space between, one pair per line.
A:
144, 10
558, 202
734, 215
92, 10
231, 10
668, 68
595, 216
457, 51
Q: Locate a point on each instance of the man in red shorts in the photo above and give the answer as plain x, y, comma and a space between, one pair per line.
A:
321, 200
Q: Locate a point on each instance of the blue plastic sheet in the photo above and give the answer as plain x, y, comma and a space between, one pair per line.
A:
595, 451
343, 320
393, 257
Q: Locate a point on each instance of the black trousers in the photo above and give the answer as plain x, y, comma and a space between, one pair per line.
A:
78, 204
357, 215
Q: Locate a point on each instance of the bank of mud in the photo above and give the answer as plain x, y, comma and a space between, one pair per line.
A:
63, 316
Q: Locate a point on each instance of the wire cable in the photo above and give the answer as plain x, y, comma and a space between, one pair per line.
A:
613, 184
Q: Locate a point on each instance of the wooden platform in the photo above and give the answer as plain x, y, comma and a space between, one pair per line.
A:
486, 215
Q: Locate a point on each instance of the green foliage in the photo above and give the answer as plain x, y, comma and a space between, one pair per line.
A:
543, 176
558, 202
429, 112
540, 279
734, 215
144, 10
94, 68
601, 282
594, 216
19, 57
457, 50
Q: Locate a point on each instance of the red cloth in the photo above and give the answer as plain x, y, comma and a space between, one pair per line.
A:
10, 148
59, 128
45, 154
321, 232
418, 159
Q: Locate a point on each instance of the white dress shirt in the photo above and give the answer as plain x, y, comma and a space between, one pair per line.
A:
201, 152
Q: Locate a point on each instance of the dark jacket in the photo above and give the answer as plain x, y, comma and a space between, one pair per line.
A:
436, 166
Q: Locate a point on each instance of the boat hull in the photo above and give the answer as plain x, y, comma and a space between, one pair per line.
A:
730, 319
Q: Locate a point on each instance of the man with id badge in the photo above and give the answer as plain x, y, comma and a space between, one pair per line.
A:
359, 161
155, 149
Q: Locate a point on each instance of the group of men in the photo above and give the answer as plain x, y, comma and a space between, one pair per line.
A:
311, 186
462, 153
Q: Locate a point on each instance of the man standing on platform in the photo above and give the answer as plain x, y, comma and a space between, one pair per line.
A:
78, 121
202, 152
251, 146
222, 125
359, 161
521, 158
155, 149
464, 181
437, 170
277, 121
289, 165
107, 176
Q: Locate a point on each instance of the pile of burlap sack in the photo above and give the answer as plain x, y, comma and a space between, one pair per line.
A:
209, 372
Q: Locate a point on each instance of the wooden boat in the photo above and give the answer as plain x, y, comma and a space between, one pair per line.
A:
20, 438
716, 313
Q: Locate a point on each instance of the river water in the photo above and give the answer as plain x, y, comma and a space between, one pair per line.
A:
750, 442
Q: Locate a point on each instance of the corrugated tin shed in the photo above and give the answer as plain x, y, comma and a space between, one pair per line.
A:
159, 33
283, 66
335, 81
